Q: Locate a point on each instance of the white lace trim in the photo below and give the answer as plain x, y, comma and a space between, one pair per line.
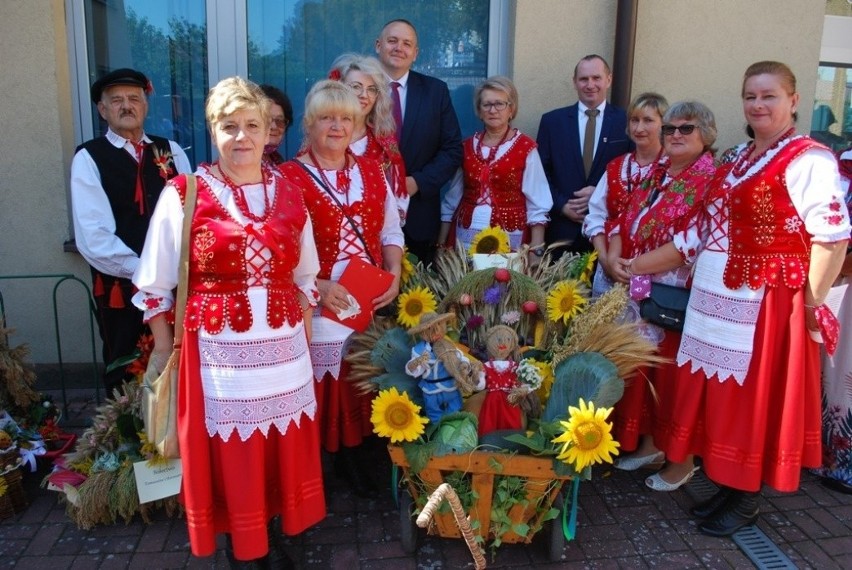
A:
223, 416
327, 357
718, 336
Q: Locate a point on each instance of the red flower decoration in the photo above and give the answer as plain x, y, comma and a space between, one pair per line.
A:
149, 88
334, 74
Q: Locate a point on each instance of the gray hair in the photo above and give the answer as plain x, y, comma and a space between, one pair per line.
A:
701, 114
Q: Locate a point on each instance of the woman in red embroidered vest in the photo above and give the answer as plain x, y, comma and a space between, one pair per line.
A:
623, 175
501, 182
246, 413
354, 216
650, 245
749, 379
374, 131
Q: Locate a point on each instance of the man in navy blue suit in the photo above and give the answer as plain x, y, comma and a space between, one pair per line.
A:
573, 168
430, 138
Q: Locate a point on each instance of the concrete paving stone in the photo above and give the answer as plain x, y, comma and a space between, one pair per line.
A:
784, 527
217, 562
14, 531
379, 550
810, 554
718, 560
786, 503
121, 561
608, 548
837, 546
697, 541
44, 562
344, 556
643, 538
810, 527
618, 501
44, 539
68, 544
631, 562
154, 537
116, 544
594, 508
843, 513
150, 560
829, 521
335, 535
393, 564
86, 562
680, 560
601, 564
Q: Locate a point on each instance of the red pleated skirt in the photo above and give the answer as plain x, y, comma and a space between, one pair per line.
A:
768, 429
647, 398
343, 411
238, 486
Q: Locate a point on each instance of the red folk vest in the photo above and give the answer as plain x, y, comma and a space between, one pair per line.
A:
328, 218
617, 195
768, 241
504, 178
217, 260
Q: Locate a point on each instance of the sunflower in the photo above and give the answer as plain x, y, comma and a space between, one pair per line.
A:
397, 417
588, 267
545, 370
490, 240
413, 304
407, 268
565, 301
587, 438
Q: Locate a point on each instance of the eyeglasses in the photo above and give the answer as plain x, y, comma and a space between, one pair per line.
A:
685, 130
372, 90
279, 122
498, 105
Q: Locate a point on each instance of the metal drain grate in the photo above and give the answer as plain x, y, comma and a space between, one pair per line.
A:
752, 541
760, 550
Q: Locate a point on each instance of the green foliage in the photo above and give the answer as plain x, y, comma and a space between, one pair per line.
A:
392, 351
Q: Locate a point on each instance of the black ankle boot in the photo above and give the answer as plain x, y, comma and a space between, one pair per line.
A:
740, 511
346, 467
277, 558
706, 509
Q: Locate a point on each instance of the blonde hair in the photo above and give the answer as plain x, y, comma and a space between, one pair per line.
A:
327, 96
234, 94
497, 83
380, 118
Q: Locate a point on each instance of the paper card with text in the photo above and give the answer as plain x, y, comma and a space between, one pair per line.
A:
154, 482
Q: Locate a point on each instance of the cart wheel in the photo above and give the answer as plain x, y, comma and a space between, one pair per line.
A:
557, 538
407, 526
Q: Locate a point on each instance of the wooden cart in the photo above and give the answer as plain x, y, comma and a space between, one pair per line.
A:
542, 485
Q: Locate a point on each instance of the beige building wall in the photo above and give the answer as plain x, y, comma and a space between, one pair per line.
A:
35, 153
685, 49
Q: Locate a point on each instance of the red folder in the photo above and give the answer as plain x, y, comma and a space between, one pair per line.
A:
365, 282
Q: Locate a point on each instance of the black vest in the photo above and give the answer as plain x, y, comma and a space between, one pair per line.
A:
118, 178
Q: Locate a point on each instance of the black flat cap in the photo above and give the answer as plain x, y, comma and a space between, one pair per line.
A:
123, 76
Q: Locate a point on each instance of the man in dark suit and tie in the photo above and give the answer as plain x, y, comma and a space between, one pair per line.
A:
428, 133
575, 144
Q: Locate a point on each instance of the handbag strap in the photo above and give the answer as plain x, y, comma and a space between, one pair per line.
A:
183, 268
339, 205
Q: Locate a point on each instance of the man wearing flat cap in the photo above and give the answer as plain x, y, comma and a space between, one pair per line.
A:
115, 182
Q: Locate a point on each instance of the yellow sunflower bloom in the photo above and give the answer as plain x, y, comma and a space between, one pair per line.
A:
565, 301
587, 438
490, 240
586, 273
545, 370
413, 304
397, 417
407, 269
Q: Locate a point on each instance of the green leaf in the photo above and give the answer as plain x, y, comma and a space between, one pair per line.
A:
417, 455
495, 465
550, 515
521, 529
122, 361
587, 375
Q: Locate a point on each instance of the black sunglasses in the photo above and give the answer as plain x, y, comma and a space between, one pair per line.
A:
668, 130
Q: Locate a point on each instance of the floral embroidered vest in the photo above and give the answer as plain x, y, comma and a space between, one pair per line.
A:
504, 178
617, 193
385, 151
327, 216
768, 240
217, 289
673, 210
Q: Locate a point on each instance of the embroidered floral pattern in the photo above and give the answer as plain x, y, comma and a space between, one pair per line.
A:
764, 214
792, 224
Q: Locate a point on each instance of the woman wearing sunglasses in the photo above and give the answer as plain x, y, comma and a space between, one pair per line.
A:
651, 245
749, 378
374, 131
501, 182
